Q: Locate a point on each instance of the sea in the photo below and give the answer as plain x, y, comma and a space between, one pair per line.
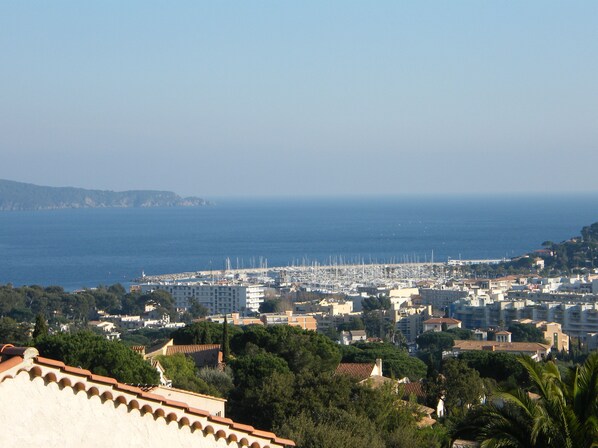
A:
78, 248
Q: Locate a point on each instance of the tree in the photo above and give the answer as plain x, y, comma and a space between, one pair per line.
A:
355, 323
499, 366
162, 300
376, 303
301, 349
564, 416
396, 361
460, 333
102, 357
11, 332
41, 327
526, 333
335, 428
462, 385
221, 380
107, 299
271, 306
182, 371
199, 332
225, 341
197, 309
435, 341
377, 324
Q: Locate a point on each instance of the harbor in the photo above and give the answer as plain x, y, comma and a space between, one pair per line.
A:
329, 278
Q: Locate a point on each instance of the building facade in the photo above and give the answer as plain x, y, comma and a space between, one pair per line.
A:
217, 298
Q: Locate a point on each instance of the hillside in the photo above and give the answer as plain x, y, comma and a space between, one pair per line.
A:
23, 196
577, 255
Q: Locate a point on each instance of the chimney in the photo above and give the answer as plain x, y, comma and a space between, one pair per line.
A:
379, 366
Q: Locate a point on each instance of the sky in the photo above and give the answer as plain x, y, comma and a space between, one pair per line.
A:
305, 98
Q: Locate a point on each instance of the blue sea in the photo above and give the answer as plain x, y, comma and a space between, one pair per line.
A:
87, 247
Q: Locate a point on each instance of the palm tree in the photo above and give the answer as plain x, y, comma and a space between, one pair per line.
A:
564, 415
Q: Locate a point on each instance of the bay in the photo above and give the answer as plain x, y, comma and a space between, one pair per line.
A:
78, 248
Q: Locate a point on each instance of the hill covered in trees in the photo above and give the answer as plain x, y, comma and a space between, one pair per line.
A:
577, 255
23, 196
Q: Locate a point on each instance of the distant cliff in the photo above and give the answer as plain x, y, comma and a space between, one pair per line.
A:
22, 196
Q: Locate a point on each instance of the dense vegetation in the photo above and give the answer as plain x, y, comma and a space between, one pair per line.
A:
396, 362
22, 196
526, 333
282, 378
576, 255
95, 353
564, 413
76, 309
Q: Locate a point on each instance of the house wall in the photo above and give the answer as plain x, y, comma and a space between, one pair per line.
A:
44, 415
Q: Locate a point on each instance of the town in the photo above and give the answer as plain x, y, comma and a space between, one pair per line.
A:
435, 336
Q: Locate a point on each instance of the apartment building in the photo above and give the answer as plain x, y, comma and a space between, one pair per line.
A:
576, 319
216, 297
440, 298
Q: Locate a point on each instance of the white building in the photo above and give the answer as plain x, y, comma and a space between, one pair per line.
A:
44, 402
437, 323
217, 298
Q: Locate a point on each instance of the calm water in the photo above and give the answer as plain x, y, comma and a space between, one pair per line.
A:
78, 248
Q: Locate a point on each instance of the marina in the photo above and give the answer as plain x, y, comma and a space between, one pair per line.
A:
332, 278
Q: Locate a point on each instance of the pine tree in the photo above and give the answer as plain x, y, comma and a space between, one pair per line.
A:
41, 327
197, 336
225, 342
206, 337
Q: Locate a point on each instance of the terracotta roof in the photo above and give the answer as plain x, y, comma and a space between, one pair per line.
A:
379, 381
15, 360
204, 355
157, 389
425, 421
516, 347
415, 388
187, 349
442, 320
359, 371
357, 333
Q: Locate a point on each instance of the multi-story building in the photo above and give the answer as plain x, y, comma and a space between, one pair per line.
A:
576, 319
441, 323
441, 298
217, 298
304, 321
409, 320
553, 333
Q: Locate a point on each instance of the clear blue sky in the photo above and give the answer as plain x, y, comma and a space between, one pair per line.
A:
300, 98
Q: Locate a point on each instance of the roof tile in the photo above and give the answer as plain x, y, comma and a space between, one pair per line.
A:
50, 362
77, 371
359, 371
103, 379
14, 361
10, 363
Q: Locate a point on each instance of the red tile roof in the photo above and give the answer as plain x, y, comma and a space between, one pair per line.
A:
415, 389
187, 349
50, 370
204, 355
516, 347
442, 320
359, 371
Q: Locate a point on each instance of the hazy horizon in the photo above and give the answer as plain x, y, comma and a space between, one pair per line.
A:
358, 195
306, 99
